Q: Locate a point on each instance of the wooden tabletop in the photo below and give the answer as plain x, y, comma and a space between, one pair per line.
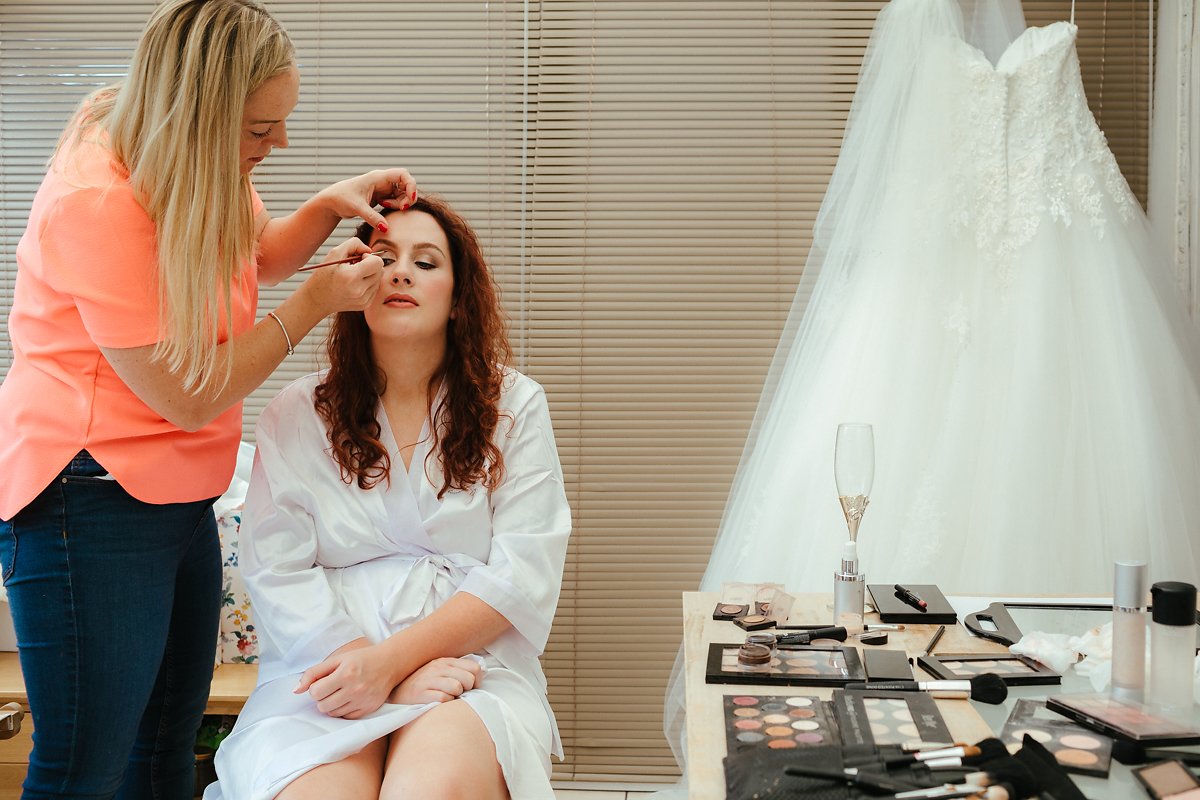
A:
231, 685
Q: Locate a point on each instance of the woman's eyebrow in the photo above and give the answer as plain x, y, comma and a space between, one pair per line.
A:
427, 246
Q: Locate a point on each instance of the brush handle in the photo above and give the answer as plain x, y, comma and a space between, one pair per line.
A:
954, 690
837, 633
354, 259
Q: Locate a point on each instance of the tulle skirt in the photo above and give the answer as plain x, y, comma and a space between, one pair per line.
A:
1036, 417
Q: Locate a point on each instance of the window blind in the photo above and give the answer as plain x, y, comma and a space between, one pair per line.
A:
644, 175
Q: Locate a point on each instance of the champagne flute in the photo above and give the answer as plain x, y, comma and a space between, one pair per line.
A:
854, 471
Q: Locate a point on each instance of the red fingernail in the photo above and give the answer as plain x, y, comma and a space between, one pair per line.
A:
404, 207
381, 227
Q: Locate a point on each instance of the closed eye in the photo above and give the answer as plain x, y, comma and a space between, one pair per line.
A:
387, 262
426, 265
262, 135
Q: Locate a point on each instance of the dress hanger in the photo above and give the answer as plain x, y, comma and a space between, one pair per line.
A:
1072, 12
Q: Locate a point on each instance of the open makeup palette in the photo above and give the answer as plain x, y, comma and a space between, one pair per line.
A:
858, 718
788, 665
1014, 670
1076, 748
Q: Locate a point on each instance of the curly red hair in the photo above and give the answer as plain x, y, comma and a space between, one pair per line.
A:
477, 352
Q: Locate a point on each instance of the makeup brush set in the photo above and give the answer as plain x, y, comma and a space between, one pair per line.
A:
838, 772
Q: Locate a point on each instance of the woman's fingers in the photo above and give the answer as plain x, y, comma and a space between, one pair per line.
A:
464, 678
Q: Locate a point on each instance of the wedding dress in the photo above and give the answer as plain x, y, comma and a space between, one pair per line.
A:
985, 292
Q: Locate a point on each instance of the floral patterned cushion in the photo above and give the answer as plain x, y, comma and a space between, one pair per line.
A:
238, 641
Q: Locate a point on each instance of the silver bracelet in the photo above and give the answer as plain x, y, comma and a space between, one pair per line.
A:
286, 338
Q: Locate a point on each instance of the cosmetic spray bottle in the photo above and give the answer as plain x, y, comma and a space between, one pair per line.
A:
1172, 645
849, 590
1129, 631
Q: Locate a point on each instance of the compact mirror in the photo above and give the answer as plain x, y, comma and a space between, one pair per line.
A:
1006, 622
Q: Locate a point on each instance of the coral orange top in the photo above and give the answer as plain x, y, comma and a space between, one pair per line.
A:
87, 277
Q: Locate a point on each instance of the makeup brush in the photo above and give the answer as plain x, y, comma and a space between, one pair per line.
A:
912, 751
354, 259
986, 688
835, 632
933, 757
998, 791
1133, 753
1008, 771
852, 776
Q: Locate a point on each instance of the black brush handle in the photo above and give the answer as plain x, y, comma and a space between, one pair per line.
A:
837, 633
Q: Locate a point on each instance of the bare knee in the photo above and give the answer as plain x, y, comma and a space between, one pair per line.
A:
447, 754
357, 776
435, 782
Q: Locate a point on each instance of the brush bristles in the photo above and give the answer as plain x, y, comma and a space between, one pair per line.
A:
989, 688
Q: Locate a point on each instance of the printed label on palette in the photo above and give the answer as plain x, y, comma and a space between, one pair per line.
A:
872, 718
1076, 748
777, 723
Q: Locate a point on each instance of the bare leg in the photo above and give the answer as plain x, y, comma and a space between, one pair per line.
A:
445, 754
355, 777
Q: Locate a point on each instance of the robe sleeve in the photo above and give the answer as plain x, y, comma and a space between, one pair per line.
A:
294, 605
530, 525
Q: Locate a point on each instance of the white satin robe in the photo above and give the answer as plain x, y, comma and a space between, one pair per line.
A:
326, 562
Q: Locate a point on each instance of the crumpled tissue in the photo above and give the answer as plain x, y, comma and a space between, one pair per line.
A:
1090, 654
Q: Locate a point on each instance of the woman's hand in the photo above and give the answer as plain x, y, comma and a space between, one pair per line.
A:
438, 681
352, 682
345, 287
357, 197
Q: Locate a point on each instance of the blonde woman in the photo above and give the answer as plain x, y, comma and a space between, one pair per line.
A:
134, 338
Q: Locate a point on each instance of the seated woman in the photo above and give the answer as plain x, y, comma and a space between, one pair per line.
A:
403, 544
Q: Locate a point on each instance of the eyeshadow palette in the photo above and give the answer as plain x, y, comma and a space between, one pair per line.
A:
789, 665
1014, 670
777, 723
870, 718
1124, 719
1075, 748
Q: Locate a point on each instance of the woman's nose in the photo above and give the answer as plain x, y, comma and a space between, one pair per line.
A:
401, 274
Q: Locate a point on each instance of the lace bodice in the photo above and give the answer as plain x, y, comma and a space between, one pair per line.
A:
1025, 148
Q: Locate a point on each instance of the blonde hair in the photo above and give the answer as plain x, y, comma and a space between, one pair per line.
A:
175, 123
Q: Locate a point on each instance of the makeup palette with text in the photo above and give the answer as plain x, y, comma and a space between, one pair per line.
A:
873, 718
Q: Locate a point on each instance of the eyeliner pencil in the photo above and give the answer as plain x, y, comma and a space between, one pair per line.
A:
936, 637
355, 259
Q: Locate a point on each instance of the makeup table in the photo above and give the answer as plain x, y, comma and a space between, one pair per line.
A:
968, 721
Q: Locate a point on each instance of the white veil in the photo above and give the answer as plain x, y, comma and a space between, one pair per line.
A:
872, 150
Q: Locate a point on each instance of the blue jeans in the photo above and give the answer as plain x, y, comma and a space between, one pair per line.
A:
116, 606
